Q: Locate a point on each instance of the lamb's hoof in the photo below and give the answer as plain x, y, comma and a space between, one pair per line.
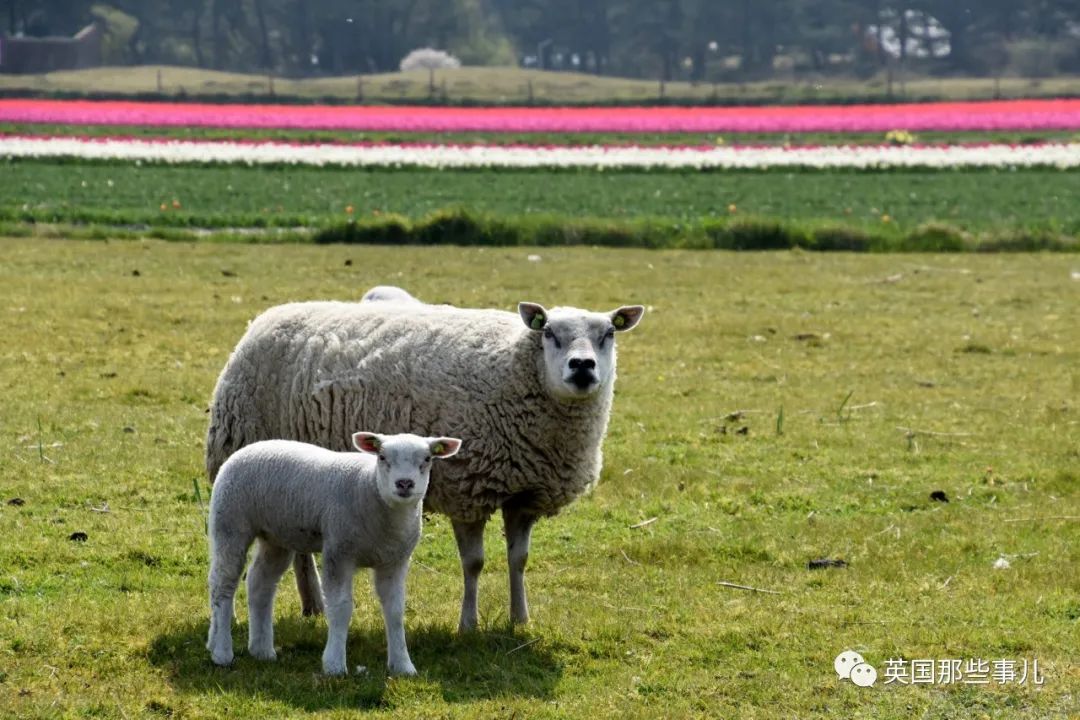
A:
404, 670
221, 659
334, 669
312, 610
262, 653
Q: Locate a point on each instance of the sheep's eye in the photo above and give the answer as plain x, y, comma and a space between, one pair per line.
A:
607, 336
427, 459
548, 335
382, 458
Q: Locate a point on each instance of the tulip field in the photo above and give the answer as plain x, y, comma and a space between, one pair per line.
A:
902, 176
948, 116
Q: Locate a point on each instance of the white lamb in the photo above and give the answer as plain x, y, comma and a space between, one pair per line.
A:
297, 498
529, 392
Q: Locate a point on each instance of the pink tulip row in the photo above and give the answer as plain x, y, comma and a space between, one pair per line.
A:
976, 116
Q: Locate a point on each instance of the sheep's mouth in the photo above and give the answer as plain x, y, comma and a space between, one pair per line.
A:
583, 381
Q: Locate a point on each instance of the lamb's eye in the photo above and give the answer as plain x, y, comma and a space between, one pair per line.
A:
382, 458
607, 336
548, 335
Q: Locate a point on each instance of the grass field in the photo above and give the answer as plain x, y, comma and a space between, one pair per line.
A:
771, 409
511, 85
669, 207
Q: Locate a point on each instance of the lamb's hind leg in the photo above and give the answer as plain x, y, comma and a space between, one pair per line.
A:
470, 542
269, 565
307, 582
519, 524
228, 553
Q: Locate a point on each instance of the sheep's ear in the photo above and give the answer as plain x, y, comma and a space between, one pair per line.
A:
533, 315
626, 317
367, 442
444, 447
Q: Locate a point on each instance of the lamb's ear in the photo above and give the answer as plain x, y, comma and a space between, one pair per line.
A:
533, 315
444, 447
367, 442
626, 317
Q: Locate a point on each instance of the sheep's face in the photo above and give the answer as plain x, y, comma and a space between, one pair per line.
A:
403, 464
579, 346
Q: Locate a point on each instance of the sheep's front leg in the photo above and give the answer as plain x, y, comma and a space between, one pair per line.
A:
390, 587
337, 587
519, 525
470, 542
269, 565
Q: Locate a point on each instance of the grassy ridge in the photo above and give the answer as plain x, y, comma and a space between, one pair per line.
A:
855, 210
500, 86
507, 138
862, 385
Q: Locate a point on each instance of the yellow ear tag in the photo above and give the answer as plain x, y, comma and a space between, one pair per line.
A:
438, 449
619, 321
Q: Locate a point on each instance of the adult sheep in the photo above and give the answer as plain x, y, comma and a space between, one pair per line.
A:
528, 393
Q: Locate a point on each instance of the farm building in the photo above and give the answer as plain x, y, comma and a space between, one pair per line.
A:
19, 54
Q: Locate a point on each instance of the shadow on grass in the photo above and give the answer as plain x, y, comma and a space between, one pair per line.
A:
484, 664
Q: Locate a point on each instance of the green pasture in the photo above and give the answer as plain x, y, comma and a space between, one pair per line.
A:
1035, 207
772, 409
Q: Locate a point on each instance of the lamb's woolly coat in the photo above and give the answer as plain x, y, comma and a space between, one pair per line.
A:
315, 371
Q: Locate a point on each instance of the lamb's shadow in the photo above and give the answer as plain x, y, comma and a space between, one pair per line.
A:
467, 667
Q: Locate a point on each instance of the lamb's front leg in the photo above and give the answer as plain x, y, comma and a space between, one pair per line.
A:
518, 524
337, 588
390, 587
470, 542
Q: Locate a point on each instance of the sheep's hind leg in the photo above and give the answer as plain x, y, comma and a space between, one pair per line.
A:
519, 524
470, 542
307, 582
269, 565
228, 554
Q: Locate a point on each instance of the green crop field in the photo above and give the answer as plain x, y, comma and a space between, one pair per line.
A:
772, 409
889, 203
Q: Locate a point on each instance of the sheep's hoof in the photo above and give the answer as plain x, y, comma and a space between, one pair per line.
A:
222, 659
262, 653
407, 670
334, 669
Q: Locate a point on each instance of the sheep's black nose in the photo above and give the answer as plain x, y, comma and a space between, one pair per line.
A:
582, 364
404, 486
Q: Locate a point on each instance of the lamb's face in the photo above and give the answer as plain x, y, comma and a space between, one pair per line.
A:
404, 461
579, 346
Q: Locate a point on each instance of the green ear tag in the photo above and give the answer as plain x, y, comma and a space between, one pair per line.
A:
438, 449
537, 322
619, 321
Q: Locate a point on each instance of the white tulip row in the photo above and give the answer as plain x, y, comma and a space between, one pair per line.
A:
1059, 155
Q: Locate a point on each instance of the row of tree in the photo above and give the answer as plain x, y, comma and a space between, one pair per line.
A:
692, 39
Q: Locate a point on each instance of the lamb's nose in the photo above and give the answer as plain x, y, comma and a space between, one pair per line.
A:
582, 364
404, 486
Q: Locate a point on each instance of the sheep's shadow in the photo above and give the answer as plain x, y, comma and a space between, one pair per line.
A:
477, 665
